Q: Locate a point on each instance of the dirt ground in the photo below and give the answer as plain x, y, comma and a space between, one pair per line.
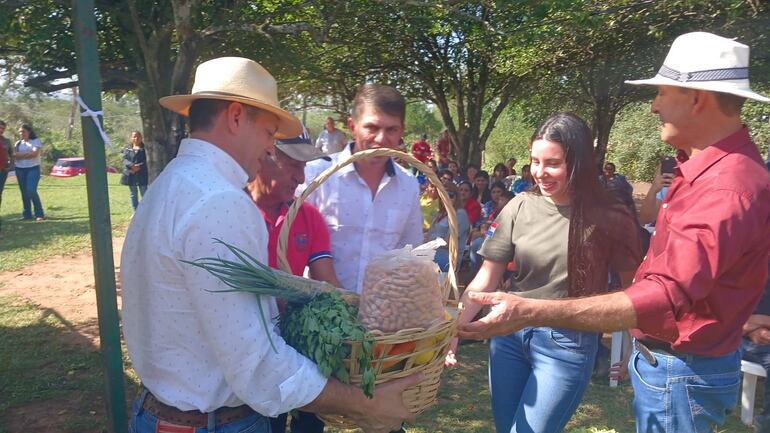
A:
65, 285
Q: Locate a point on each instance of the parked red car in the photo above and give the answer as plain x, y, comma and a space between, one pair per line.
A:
68, 167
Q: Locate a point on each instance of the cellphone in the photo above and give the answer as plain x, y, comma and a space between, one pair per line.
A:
667, 165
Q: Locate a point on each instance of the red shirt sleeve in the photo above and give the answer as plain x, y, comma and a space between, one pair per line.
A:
320, 246
695, 252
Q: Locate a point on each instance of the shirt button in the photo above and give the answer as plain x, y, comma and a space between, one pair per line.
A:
665, 205
645, 258
633, 281
654, 232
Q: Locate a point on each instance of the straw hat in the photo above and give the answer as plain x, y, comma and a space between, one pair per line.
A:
240, 80
705, 61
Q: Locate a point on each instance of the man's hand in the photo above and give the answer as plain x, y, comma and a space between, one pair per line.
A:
760, 336
661, 180
386, 411
505, 317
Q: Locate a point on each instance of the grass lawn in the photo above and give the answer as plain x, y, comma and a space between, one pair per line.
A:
50, 384
66, 227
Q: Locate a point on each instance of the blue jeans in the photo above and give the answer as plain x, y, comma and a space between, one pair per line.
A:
537, 377
135, 190
683, 394
145, 422
3, 177
28, 179
476, 258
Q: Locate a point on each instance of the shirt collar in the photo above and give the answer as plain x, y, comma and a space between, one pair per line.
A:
222, 163
346, 152
691, 168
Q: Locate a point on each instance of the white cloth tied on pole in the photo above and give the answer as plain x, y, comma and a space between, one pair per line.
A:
94, 115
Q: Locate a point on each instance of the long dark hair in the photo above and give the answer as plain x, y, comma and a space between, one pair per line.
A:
27, 127
588, 200
481, 196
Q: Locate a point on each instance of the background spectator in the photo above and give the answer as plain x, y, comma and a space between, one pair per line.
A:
481, 187
446, 177
331, 140
500, 174
439, 228
611, 180
135, 173
27, 158
648, 211
470, 204
442, 147
524, 182
429, 203
6, 156
421, 149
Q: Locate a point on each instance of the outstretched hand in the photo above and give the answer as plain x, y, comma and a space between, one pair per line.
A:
504, 318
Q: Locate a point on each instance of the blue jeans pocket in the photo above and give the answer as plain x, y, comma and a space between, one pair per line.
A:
260, 425
709, 403
567, 339
639, 366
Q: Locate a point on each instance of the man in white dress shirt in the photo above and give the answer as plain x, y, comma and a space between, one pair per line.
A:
204, 357
372, 205
331, 140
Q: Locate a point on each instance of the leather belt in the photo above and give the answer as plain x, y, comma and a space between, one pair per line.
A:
647, 347
193, 418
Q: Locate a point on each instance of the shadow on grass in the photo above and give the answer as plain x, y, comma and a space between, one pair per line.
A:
24, 242
50, 372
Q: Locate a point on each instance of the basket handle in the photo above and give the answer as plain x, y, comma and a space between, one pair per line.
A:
291, 215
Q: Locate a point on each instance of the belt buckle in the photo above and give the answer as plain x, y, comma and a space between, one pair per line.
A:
646, 353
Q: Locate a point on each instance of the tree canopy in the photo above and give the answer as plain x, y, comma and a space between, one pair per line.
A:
469, 59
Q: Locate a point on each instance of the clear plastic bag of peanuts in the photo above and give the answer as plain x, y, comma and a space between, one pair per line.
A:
401, 290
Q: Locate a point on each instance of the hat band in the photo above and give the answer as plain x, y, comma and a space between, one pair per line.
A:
708, 75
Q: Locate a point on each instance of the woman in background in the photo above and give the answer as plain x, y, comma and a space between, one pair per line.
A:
27, 156
439, 228
135, 168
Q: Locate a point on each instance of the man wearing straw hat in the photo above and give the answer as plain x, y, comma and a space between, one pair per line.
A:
707, 261
204, 357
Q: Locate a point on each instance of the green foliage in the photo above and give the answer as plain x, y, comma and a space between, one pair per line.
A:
319, 329
49, 117
510, 138
635, 146
421, 118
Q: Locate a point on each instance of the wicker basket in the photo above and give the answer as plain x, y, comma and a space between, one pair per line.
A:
432, 344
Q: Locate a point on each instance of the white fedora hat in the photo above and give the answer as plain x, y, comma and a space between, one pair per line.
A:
240, 80
705, 61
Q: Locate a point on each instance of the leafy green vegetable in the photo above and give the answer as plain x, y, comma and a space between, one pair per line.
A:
317, 321
318, 330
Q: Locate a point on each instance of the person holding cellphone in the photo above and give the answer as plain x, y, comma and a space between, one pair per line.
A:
664, 175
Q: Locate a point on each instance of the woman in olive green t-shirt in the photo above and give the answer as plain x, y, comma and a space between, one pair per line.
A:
563, 237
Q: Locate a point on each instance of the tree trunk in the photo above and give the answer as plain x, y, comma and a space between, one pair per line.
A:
603, 121
162, 131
